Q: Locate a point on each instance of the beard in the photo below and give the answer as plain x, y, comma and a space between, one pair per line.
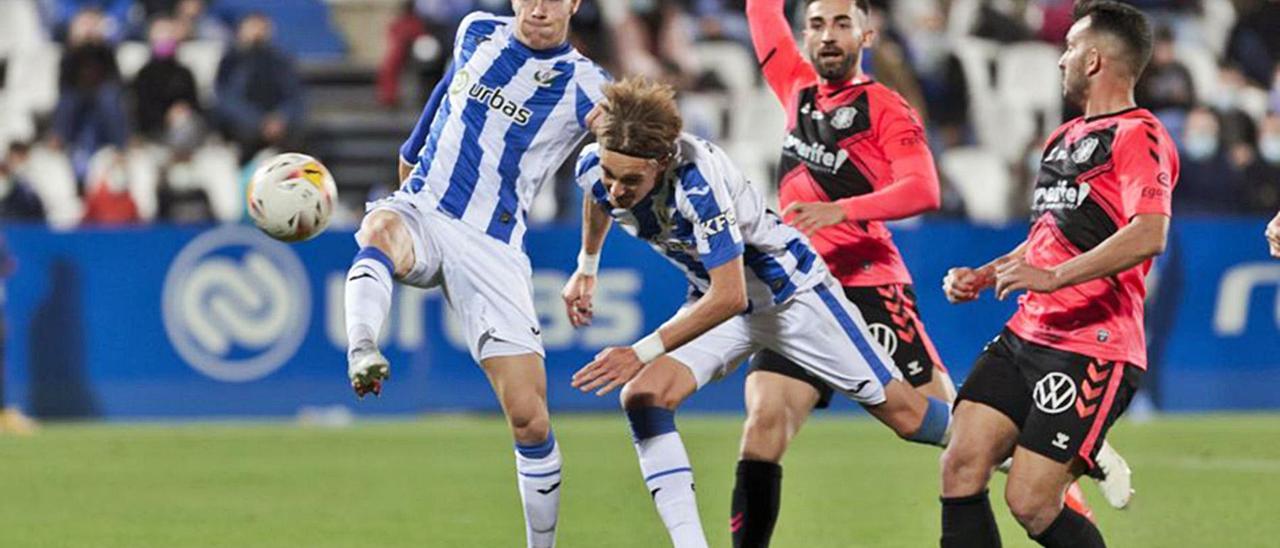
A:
834, 69
1075, 90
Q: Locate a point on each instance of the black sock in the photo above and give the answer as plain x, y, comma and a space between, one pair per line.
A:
967, 522
756, 498
1073, 530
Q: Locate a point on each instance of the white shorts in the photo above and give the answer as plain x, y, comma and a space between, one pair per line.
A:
487, 283
818, 329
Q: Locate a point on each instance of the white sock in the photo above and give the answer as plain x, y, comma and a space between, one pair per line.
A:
538, 475
669, 478
368, 297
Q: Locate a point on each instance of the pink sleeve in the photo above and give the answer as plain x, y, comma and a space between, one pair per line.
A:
912, 188
1147, 166
785, 69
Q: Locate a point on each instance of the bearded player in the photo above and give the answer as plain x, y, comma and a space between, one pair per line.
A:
854, 157
1048, 388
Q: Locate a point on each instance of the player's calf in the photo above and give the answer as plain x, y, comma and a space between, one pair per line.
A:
912, 416
650, 401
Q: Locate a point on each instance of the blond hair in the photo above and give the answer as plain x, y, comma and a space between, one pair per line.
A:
641, 119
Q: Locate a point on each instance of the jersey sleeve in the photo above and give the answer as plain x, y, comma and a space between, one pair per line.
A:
590, 91
413, 145
706, 202
1146, 165
912, 186
587, 174
785, 69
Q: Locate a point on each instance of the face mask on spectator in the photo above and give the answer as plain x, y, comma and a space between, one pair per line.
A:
1269, 148
1224, 101
1200, 146
165, 49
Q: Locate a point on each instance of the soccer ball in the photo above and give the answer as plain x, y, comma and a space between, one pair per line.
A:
291, 197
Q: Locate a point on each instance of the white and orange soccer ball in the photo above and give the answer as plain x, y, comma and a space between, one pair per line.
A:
291, 197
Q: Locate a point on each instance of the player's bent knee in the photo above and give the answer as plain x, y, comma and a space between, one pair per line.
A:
964, 472
530, 427
639, 394
1032, 509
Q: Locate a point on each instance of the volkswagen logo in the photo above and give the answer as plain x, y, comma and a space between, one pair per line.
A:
236, 304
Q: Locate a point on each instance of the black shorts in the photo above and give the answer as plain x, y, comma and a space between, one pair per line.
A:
1062, 402
894, 321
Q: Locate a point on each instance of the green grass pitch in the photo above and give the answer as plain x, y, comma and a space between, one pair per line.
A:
449, 481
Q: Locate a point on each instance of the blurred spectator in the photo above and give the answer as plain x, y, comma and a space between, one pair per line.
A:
12, 421
172, 166
1167, 84
889, 64
1264, 173
1229, 103
107, 200
114, 17
1002, 21
723, 20
167, 107
402, 33
89, 113
1273, 102
259, 93
196, 23
1210, 182
1255, 41
18, 202
941, 76
654, 38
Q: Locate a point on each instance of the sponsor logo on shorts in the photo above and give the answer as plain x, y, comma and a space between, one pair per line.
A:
885, 337
1061, 440
1055, 393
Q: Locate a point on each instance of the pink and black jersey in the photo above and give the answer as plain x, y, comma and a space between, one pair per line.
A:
1096, 175
856, 143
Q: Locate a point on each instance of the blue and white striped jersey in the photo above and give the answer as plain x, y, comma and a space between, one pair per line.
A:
703, 214
503, 119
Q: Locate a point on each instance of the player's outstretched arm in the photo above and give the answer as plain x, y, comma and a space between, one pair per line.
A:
615, 366
578, 291
413, 145
1141, 239
1273, 236
964, 284
780, 59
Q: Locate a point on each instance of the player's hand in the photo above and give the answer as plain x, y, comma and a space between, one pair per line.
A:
577, 298
1017, 274
594, 117
964, 284
810, 216
612, 368
1273, 236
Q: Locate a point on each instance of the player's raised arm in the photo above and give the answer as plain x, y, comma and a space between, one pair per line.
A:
780, 59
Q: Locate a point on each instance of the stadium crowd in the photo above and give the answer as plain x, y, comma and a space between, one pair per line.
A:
160, 106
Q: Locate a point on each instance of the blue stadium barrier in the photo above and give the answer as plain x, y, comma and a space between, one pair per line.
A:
187, 322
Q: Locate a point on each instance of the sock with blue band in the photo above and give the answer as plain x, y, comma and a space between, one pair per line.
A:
667, 474
538, 476
935, 429
367, 299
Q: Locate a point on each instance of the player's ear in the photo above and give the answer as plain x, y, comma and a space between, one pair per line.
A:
573, 7
868, 37
1093, 62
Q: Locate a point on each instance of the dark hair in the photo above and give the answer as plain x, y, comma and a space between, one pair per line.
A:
863, 6
1124, 22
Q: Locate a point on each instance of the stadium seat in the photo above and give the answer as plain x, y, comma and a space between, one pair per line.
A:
20, 27
303, 27
203, 58
15, 123
1202, 66
131, 57
1027, 76
52, 178
37, 68
732, 63
983, 181
1216, 22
